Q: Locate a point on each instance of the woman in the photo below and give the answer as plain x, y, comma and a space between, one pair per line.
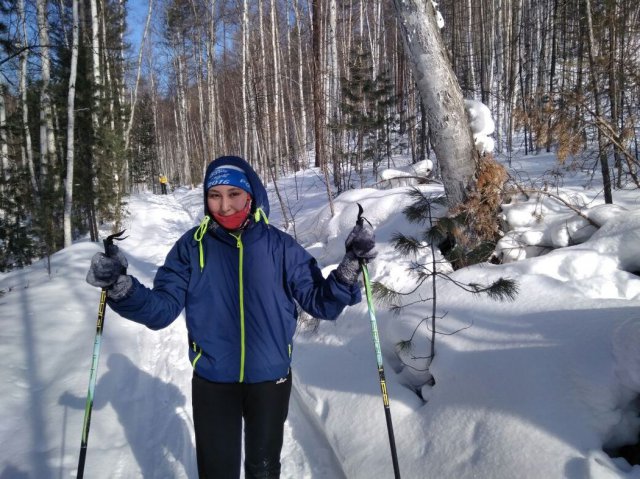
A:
239, 279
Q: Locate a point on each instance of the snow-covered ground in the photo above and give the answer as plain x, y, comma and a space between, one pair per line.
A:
533, 388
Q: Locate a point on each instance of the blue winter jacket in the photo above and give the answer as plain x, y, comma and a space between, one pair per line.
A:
240, 293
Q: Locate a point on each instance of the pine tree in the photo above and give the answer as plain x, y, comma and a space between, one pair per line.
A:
423, 211
144, 167
367, 117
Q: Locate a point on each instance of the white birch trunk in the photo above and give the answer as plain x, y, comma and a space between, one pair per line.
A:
442, 97
47, 138
245, 85
183, 126
211, 90
156, 128
201, 137
275, 46
24, 57
303, 110
333, 73
4, 147
95, 55
265, 117
108, 81
68, 184
375, 37
122, 89
470, 37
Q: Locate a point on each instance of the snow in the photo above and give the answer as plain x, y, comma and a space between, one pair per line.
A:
481, 124
407, 175
532, 388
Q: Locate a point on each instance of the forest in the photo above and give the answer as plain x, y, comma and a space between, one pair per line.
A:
88, 116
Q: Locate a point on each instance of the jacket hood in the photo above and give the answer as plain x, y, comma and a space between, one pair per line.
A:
260, 198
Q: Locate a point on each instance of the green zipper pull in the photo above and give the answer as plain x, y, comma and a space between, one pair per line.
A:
198, 355
198, 236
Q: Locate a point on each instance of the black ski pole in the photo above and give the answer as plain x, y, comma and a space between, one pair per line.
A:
108, 244
376, 344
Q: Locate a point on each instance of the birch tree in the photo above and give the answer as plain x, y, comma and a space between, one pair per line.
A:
212, 131
276, 89
303, 112
95, 65
4, 145
450, 133
68, 185
47, 138
26, 132
245, 85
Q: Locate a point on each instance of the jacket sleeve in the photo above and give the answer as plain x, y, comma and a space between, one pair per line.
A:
321, 297
158, 307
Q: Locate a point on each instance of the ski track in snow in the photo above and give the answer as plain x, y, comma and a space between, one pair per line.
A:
304, 427
163, 356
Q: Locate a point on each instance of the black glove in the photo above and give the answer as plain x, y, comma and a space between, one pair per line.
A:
360, 246
110, 272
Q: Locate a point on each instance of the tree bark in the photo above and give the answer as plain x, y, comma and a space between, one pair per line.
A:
24, 56
68, 184
604, 161
47, 136
450, 133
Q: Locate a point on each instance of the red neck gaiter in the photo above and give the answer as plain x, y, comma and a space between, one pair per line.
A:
236, 220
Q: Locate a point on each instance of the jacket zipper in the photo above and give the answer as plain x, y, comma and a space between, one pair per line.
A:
241, 294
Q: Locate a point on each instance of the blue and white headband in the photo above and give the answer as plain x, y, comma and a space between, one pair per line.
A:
229, 175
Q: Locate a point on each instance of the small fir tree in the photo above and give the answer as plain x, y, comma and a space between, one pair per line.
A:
427, 275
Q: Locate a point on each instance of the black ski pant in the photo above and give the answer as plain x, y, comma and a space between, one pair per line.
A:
218, 412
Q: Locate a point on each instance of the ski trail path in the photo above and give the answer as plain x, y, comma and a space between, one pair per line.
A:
155, 224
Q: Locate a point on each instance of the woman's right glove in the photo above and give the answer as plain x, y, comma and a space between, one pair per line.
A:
360, 246
110, 272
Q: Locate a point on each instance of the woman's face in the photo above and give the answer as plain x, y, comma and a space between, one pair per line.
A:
225, 200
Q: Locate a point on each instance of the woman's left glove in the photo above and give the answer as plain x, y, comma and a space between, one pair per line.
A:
110, 272
360, 246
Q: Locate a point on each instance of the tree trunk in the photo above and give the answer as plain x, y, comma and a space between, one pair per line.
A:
47, 137
24, 56
211, 90
68, 184
303, 110
318, 84
245, 79
275, 46
319, 112
97, 76
451, 136
4, 146
604, 161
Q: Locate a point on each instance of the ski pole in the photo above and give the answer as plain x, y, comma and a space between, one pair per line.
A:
108, 244
376, 344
